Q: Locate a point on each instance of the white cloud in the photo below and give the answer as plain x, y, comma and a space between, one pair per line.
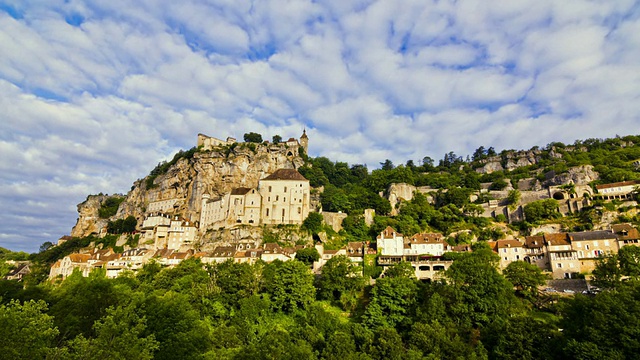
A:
94, 94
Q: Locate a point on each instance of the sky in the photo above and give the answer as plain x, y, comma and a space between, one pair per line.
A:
93, 94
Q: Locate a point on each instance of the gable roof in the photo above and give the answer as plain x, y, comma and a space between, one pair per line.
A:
592, 235
625, 231
427, 238
388, 233
556, 239
617, 184
286, 174
240, 191
533, 242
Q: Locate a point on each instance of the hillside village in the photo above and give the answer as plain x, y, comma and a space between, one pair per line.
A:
283, 197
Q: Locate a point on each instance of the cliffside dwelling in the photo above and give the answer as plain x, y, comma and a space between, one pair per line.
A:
280, 198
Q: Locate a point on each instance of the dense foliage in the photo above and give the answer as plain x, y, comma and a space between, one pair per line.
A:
110, 206
278, 311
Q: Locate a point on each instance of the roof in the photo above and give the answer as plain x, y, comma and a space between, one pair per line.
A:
625, 231
240, 191
592, 235
286, 174
427, 238
224, 251
79, 258
388, 233
617, 184
556, 239
501, 244
536, 241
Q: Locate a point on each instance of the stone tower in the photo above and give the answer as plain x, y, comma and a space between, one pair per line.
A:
304, 141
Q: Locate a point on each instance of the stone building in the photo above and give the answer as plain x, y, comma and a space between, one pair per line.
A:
285, 197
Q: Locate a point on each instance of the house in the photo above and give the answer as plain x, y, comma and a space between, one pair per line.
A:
273, 251
21, 270
355, 250
248, 256
534, 251
285, 197
390, 242
591, 245
65, 266
563, 259
627, 235
176, 258
618, 191
220, 254
426, 244
508, 250
181, 232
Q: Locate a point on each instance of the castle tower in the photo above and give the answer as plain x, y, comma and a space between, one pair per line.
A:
304, 141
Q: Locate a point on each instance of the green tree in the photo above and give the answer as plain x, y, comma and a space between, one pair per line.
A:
119, 335
513, 198
252, 137
541, 209
308, 255
607, 273
339, 276
313, 223
629, 259
27, 331
525, 277
276, 139
481, 293
289, 284
392, 303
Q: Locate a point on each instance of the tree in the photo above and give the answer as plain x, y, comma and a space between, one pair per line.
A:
45, 246
513, 198
308, 255
27, 331
387, 165
290, 285
525, 277
119, 335
339, 276
629, 259
313, 223
607, 273
276, 139
541, 209
393, 301
252, 137
481, 293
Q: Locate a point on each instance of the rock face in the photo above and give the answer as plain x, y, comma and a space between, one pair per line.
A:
580, 175
89, 221
215, 172
509, 161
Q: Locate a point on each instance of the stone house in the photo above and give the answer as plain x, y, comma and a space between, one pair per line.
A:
591, 245
285, 197
627, 235
181, 232
65, 266
508, 250
617, 191
563, 259
534, 251
390, 242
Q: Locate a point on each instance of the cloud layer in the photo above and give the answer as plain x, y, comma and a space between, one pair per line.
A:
94, 94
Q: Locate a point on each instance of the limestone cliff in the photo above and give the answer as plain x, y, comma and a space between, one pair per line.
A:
89, 221
214, 172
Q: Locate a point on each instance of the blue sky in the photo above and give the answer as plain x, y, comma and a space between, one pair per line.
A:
93, 94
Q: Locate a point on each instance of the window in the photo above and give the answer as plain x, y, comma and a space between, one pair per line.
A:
586, 247
285, 189
559, 266
299, 211
267, 212
606, 243
269, 188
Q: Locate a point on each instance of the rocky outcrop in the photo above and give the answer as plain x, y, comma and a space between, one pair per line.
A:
214, 172
509, 161
580, 175
89, 221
